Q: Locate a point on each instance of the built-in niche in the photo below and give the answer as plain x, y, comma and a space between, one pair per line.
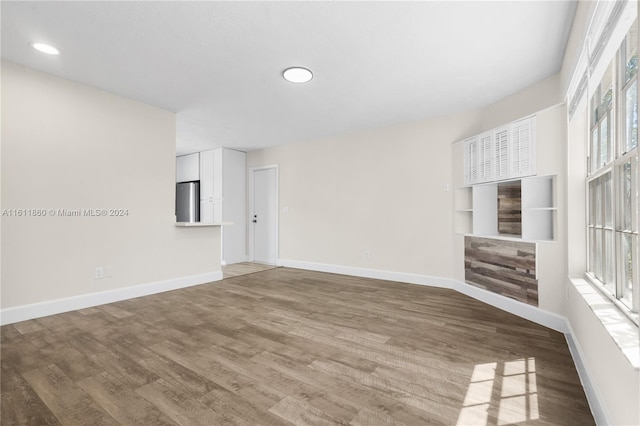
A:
521, 208
510, 208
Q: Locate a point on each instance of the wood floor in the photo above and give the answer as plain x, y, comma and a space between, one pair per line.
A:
287, 346
244, 268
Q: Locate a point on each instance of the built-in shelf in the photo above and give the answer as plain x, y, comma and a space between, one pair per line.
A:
463, 199
477, 209
463, 222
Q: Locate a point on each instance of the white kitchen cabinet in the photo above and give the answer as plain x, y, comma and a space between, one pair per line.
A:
220, 169
223, 198
188, 168
207, 174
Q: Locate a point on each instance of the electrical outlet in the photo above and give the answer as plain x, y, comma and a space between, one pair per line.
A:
445, 187
100, 272
367, 254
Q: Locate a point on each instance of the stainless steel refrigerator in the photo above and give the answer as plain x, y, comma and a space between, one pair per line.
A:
188, 201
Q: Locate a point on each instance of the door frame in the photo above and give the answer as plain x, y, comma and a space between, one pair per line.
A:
252, 172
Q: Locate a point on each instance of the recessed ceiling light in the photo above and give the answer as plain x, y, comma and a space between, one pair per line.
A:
297, 75
45, 48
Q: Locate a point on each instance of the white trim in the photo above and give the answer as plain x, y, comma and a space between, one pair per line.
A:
593, 396
252, 171
239, 259
532, 313
617, 323
369, 273
57, 306
620, 17
539, 316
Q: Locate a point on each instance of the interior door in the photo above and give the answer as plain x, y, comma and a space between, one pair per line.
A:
264, 217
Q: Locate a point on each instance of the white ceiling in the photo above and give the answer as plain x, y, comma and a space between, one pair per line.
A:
218, 65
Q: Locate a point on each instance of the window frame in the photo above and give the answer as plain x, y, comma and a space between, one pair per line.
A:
615, 115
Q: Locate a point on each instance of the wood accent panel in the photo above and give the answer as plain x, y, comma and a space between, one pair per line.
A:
510, 208
287, 346
504, 267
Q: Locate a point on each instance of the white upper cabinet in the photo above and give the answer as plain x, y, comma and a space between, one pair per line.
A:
207, 175
211, 174
522, 151
218, 169
505, 152
188, 168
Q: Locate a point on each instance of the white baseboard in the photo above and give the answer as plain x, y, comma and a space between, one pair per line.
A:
369, 273
52, 307
593, 396
539, 316
233, 260
532, 313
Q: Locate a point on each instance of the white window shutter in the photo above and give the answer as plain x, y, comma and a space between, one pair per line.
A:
522, 148
486, 157
501, 151
471, 161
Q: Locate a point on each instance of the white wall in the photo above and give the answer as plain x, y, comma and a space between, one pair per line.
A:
372, 199
537, 97
613, 383
69, 146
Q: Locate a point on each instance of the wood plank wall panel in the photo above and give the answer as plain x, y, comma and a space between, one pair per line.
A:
510, 208
504, 267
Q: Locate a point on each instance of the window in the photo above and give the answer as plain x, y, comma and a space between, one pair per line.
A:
627, 230
612, 184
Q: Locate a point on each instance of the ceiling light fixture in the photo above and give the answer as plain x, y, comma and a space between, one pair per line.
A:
45, 48
297, 75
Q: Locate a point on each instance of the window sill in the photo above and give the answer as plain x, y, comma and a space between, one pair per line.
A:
622, 329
